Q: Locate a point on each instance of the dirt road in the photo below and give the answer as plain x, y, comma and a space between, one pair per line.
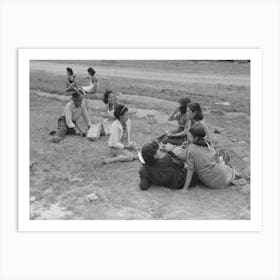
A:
159, 74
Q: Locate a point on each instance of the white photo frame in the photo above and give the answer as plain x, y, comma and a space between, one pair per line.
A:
254, 224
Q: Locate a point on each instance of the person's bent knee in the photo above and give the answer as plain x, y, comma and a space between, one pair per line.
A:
144, 187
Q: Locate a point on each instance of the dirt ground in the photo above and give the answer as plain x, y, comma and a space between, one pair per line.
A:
62, 175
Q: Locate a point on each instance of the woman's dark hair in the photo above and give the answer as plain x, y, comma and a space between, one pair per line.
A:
70, 70
198, 132
120, 110
195, 107
148, 153
91, 71
184, 102
106, 95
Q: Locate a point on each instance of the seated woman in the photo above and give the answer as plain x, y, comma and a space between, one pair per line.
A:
162, 169
178, 136
111, 103
103, 128
196, 117
68, 121
204, 160
121, 147
93, 83
71, 80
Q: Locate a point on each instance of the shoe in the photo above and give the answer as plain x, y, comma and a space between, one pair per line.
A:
52, 132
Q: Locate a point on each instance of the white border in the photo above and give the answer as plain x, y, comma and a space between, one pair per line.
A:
254, 224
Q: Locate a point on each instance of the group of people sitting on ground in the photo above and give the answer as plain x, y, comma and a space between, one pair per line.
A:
176, 160
72, 82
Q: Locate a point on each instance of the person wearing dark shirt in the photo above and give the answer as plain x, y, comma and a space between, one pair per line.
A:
71, 80
162, 169
178, 136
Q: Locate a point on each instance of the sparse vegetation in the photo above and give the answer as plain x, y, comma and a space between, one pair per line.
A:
63, 175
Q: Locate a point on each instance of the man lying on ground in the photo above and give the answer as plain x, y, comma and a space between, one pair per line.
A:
67, 123
162, 169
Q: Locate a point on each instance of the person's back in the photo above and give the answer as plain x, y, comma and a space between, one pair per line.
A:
212, 173
164, 172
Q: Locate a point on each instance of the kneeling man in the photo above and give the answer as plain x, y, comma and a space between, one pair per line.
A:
67, 123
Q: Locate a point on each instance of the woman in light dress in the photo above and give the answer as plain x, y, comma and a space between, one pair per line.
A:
93, 83
103, 127
203, 159
178, 136
121, 147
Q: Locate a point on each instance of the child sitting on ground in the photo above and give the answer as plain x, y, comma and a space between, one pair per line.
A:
93, 83
121, 147
67, 123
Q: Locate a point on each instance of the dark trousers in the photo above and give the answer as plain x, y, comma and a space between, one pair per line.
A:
63, 129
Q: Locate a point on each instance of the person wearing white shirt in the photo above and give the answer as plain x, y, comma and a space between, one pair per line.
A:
67, 123
120, 144
93, 86
103, 128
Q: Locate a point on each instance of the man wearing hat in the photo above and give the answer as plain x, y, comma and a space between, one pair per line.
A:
67, 123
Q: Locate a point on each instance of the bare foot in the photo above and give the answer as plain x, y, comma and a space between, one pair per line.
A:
184, 191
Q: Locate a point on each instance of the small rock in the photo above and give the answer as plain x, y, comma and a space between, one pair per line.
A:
32, 198
48, 191
234, 140
222, 103
75, 180
246, 159
242, 142
218, 130
91, 197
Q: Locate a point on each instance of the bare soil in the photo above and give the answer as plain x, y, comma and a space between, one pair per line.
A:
63, 175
